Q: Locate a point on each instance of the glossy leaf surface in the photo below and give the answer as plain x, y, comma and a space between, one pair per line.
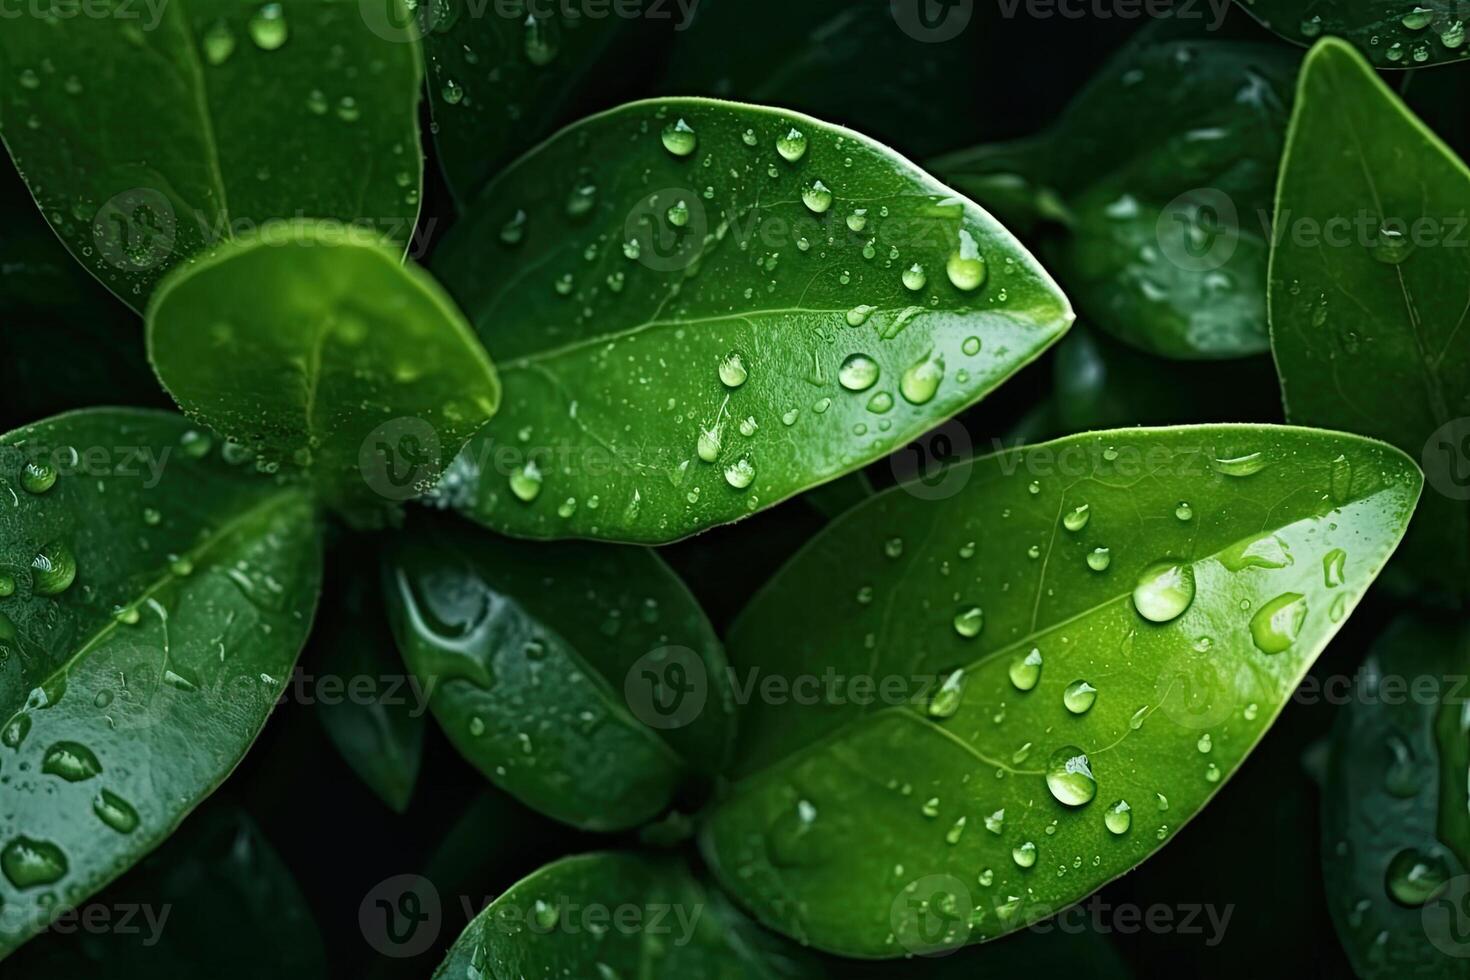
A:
313, 346
699, 327
1370, 291
1160, 174
1391, 34
1395, 814
998, 684
155, 132
155, 599
581, 678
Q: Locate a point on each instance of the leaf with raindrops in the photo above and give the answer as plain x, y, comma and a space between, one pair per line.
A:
1157, 180
1370, 293
154, 595
581, 678
1032, 679
1391, 33
1395, 809
702, 308
311, 346
149, 134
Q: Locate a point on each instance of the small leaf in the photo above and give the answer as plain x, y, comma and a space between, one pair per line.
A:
1039, 678
1160, 174
155, 599
375, 718
148, 140
1413, 34
1370, 275
582, 679
1395, 814
671, 928
688, 335
313, 346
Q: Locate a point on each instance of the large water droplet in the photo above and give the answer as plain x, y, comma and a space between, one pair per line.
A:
1118, 817
966, 266
732, 370
28, 862
740, 473
920, 382
792, 146
1024, 854
525, 481
1098, 559
1025, 671
268, 28
115, 811
37, 477
914, 277
858, 372
1076, 518
1164, 590
1413, 877
1069, 776
968, 622
1263, 552
1079, 697
1275, 626
679, 138
817, 197
53, 569
72, 761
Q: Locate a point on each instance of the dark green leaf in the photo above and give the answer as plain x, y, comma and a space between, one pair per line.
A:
312, 345
581, 678
1161, 173
208, 896
1370, 290
149, 137
925, 760
378, 726
606, 915
156, 597
1395, 823
1393, 35
612, 365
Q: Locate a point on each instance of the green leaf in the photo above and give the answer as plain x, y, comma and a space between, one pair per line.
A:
312, 345
1395, 824
559, 921
149, 138
156, 597
207, 896
834, 498
924, 618
1160, 173
1393, 35
733, 318
379, 733
1369, 282
583, 679
501, 79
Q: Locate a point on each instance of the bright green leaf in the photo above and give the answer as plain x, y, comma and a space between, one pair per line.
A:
672, 928
734, 305
155, 599
1136, 605
1160, 174
581, 678
1370, 290
1400, 34
313, 346
1395, 824
150, 137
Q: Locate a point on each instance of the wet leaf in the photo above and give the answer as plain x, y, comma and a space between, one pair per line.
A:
1392, 35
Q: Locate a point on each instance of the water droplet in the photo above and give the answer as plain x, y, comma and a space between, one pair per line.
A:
1268, 551
72, 761
893, 547
996, 822
1453, 36
1240, 465
28, 862
858, 220
858, 372
1025, 671
53, 569
966, 267
1212, 773
1183, 511
218, 43
931, 807
914, 277
1312, 26
542, 40
1333, 567
195, 444
1079, 697
1164, 590
1098, 559
1413, 877
1118, 817
15, 731
268, 28
881, 402
1205, 744
792, 146
1076, 518
525, 481
987, 876
1392, 246
946, 700
740, 473
920, 382
513, 232
1069, 776
708, 446
37, 477
1275, 626
858, 315
732, 370
790, 416
817, 197
115, 811
968, 622
679, 138
348, 109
